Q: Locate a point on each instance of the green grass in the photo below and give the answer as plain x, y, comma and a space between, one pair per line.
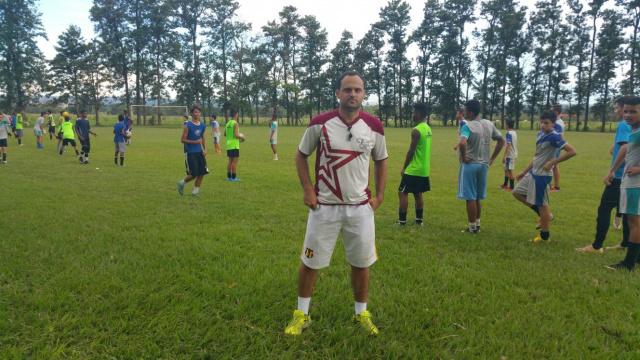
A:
100, 261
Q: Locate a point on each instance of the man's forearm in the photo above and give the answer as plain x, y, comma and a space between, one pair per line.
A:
380, 178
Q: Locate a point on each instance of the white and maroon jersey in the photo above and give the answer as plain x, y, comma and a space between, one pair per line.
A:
342, 157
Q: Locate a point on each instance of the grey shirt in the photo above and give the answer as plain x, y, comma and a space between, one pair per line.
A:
546, 149
479, 134
83, 127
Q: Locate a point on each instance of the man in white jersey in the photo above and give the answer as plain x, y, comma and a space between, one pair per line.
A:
38, 129
559, 128
630, 185
345, 140
273, 135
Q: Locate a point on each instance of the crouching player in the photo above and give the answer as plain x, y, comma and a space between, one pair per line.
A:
533, 187
83, 129
630, 185
195, 150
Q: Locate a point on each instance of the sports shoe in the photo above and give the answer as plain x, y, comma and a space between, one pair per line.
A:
502, 186
195, 194
236, 180
539, 225
86, 161
299, 322
617, 223
180, 188
554, 189
4, 162
468, 230
619, 266
275, 157
365, 321
616, 247
229, 179
591, 249
81, 161
538, 240
399, 223
507, 188
416, 223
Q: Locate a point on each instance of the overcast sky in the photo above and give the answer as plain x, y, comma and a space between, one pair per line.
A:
334, 15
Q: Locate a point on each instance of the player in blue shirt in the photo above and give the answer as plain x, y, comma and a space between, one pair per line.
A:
195, 150
119, 139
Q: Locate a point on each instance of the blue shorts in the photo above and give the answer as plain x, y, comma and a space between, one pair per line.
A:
215, 139
558, 152
535, 188
629, 201
472, 181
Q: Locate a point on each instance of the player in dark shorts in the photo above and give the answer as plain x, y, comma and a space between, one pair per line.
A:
195, 150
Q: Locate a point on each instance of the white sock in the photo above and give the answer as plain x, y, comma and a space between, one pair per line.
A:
303, 304
195, 190
182, 182
360, 307
478, 222
472, 226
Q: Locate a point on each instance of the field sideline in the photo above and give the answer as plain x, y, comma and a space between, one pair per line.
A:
100, 261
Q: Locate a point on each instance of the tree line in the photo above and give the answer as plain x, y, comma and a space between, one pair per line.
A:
517, 60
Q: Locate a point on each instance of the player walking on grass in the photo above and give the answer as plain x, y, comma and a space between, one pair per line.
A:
611, 195
474, 147
215, 134
345, 140
273, 135
417, 164
19, 126
38, 130
51, 124
510, 155
59, 130
234, 137
630, 184
533, 186
68, 137
5, 126
83, 129
119, 139
195, 150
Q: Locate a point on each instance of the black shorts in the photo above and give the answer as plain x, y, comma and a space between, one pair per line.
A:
196, 164
66, 142
52, 129
3, 142
412, 184
233, 153
86, 143
59, 135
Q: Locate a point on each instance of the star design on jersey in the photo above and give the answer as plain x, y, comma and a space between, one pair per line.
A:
328, 173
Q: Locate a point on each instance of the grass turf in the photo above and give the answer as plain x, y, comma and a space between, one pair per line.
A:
100, 261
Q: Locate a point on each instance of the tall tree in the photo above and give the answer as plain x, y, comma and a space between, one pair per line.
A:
594, 11
631, 11
394, 22
21, 62
108, 17
313, 58
341, 61
426, 37
96, 78
369, 53
68, 66
608, 55
578, 53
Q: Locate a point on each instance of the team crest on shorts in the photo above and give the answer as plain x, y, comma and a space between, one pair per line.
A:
308, 253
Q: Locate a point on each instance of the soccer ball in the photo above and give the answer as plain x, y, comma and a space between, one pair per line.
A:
127, 133
241, 137
65, 114
24, 123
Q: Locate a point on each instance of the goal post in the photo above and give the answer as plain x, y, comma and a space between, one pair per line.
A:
159, 115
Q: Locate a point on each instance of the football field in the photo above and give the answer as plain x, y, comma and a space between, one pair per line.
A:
102, 261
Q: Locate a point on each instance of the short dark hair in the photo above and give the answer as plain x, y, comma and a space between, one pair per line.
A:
510, 124
549, 114
61, 112
42, 113
214, 116
83, 111
193, 108
623, 99
125, 112
633, 101
556, 106
345, 74
49, 111
473, 106
120, 117
233, 112
422, 109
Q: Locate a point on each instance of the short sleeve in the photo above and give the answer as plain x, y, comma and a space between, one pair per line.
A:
379, 151
558, 128
509, 139
622, 134
310, 140
495, 134
557, 141
465, 131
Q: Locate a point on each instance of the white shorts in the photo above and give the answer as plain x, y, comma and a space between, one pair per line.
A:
356, 224
510, 164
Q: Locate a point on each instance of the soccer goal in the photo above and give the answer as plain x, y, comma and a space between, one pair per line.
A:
159, 115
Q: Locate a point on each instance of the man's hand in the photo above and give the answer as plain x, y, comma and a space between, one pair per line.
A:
402, 172
547, 166
504, 160
455, 148
310, 199
204, 152
375, 202
608, 177
632, 170
80, 137
520, 176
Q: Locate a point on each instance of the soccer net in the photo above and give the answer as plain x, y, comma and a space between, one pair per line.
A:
159, 115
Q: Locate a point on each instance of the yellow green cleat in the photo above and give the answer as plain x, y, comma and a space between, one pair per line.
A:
365, 321
299, 322
538, 240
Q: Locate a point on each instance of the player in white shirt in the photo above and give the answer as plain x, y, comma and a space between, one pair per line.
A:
38, 129
273, 135
559, 128
345, 141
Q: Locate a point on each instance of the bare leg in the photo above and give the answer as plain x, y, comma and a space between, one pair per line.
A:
556, 176
189, 178
545, 217
360, 283
306, 280
472, 210
198, 180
